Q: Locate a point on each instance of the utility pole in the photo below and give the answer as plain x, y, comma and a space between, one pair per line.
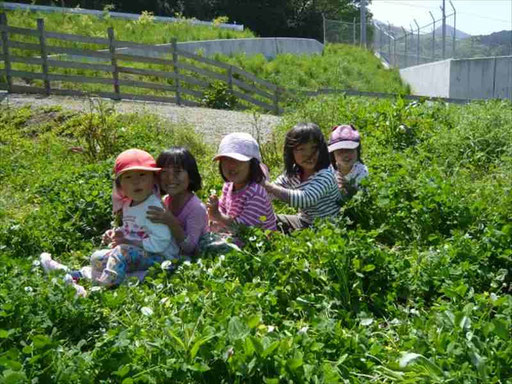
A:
363, 23
444, 28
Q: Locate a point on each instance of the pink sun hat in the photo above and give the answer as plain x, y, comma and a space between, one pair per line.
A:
239, 146
343, 137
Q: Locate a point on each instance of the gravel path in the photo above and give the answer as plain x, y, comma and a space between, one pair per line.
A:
212, 124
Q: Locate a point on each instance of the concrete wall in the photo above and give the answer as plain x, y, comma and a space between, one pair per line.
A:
481, 78
432, 79
270, 47
478, 78
115, 15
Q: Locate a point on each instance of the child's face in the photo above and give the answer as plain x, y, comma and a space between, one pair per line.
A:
306, 155
345, 159
174, 180
236, 171
137, 185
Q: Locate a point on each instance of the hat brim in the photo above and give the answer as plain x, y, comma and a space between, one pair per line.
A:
155, 169
345, 144
232, 155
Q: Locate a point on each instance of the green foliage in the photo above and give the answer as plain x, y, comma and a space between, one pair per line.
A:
219, 96
411, 284
340, 67
143, 30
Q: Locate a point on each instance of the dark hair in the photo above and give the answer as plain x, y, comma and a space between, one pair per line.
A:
180, 157
256, 174
303, 133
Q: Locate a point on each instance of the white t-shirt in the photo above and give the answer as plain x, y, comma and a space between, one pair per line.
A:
156, 238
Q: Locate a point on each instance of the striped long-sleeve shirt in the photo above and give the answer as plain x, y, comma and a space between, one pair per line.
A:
316, 197
249, 206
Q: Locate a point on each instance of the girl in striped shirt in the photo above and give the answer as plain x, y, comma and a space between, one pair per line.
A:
308, 183
244, 201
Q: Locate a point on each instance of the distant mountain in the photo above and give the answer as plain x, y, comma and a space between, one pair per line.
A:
449, 32
397, 31
496, 38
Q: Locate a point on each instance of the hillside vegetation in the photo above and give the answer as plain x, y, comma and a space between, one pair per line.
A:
144, 30
411, 285
340, 66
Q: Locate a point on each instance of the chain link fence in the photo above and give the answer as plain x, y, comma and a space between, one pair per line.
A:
397, 46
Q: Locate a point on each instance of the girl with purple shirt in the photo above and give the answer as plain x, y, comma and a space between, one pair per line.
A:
184, 213
244, 201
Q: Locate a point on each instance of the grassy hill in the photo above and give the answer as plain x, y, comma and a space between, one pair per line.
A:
411, 284
144, 30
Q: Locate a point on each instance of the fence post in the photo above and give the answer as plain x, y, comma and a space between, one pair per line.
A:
230, 79
276, 101
44, 56
175, 67
113, 60
5, 48
354, 30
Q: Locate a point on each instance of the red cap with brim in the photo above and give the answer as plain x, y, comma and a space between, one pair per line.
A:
134, 160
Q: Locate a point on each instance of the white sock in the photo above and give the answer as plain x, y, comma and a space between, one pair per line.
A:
49, 264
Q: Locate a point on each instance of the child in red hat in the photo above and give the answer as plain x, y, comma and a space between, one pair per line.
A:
138, 243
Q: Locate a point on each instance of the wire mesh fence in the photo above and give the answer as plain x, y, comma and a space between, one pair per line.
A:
397, 46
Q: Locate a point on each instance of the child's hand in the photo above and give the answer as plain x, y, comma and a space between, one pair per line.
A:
107, 237
213, 207
159, 215
342, 182
118, 238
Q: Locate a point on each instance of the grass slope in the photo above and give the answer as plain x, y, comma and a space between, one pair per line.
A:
411, 285
144, 30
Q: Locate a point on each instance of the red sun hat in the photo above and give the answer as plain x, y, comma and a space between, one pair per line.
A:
343, 137
134, 160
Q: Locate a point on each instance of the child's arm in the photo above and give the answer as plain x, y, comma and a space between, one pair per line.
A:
279, 192
165, 216
320, 184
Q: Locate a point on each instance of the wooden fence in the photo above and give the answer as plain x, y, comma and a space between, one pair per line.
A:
178, 77
182, 77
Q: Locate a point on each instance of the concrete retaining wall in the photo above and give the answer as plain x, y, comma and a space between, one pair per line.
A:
478, 78
270, 47
432, 79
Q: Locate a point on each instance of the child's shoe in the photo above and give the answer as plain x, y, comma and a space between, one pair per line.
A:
49, 264
86, 272
80, 291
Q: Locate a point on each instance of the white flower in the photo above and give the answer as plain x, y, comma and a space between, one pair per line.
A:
166, 265
270, 328
303, 330
28, 289
36, 263
146, 311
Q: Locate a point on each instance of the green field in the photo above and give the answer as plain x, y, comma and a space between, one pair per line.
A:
411, 285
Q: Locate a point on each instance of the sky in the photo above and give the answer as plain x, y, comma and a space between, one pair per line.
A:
476, 17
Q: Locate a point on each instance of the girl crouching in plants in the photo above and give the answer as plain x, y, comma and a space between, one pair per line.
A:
138, 243
184, 213
244, 202
308, 182
345, 152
